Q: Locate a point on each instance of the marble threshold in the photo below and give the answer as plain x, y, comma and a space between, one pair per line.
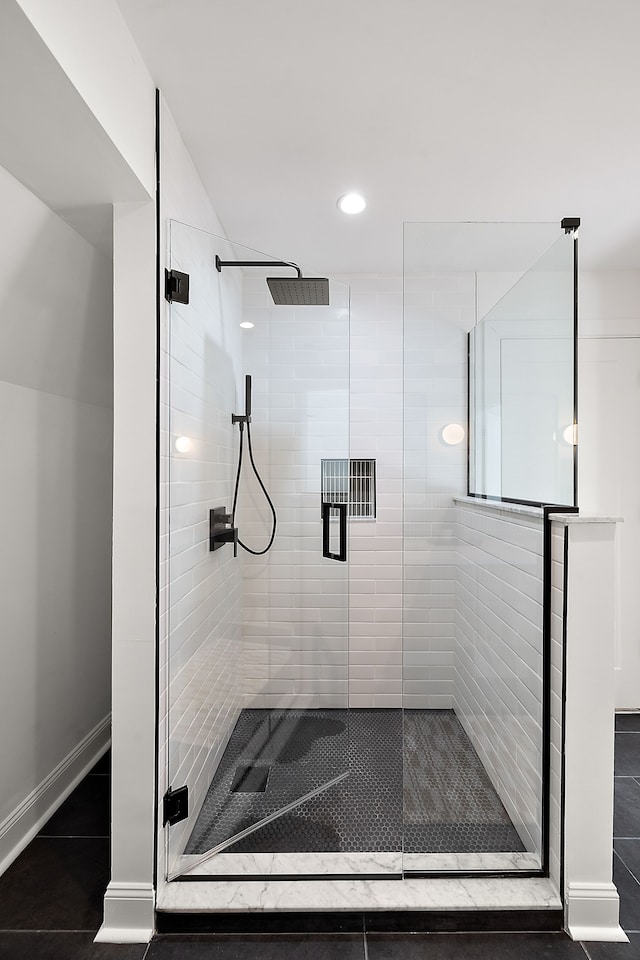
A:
252, 865
254, 896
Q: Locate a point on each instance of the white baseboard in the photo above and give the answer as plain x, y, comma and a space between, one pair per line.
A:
20, 827
592, 912
129, 913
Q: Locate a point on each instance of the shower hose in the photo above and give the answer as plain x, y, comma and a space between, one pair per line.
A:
256, 553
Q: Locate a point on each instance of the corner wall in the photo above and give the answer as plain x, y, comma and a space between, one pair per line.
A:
56, 419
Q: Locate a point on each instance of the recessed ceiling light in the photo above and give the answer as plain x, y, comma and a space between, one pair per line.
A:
352, 203
247, 324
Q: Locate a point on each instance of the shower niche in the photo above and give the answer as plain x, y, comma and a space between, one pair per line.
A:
288, 774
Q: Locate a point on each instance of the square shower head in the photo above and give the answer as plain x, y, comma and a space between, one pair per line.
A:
299, 291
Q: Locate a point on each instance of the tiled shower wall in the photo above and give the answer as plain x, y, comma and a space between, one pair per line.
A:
498, 661
407, 381
375, 567
439, 310
295, 601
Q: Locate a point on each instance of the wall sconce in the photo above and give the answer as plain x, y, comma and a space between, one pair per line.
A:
452, 434
182, 444
570, 435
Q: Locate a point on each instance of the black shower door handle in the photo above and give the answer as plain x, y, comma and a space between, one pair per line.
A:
326, 516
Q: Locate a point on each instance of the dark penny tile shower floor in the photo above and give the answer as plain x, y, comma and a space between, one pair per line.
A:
432, 797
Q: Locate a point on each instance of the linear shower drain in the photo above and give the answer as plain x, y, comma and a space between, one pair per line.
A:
250, 780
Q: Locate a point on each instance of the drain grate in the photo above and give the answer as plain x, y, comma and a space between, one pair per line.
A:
250, 780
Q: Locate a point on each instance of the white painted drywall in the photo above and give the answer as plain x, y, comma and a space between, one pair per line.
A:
609, 447
55, 486
93, 46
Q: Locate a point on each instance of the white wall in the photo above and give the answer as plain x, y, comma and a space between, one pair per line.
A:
609, 446
56, 417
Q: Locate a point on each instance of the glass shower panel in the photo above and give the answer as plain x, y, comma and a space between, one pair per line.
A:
473, 662
522, 386
257, 706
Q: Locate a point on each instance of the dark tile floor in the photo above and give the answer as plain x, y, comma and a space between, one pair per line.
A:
415, 783
51, 897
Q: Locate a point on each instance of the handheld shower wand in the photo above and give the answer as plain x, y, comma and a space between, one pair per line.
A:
241, 420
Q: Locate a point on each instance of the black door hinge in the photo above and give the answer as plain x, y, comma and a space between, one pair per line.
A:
176, 286
175, 806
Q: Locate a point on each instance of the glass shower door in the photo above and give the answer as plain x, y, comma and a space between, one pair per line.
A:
257, 721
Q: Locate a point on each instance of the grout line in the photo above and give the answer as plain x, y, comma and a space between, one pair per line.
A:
364, 938
626, 866
584, 947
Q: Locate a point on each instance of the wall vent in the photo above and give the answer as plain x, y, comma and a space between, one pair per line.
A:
352, 482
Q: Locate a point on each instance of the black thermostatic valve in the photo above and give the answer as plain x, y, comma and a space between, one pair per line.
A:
220, 531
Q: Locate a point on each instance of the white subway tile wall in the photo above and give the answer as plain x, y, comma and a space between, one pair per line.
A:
375, 567
498, 661
438, 312
201, 678
295, 601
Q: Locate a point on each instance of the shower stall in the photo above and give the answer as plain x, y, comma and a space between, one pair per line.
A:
369, 694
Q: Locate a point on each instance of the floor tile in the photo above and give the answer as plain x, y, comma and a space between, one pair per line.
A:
629, 891
629, 853
55, 885
627, 755
615, 951
626, 807
238, 947
103, 766
473, 946
65, 946
85, 812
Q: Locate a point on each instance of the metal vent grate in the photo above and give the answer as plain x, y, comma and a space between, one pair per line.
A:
352, 482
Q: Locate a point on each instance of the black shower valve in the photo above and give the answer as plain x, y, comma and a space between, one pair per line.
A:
220, 531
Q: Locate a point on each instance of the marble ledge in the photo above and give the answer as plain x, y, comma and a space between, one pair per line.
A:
499, 507
571, 518
537, 512
490, 893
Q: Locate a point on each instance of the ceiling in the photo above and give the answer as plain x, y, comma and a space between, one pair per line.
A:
437, 110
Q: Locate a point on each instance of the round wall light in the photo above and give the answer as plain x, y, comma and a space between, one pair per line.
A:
570, 434
351, 203
182, 444
247, 325
453, 433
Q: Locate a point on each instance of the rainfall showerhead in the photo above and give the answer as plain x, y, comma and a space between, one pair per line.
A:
299, 291
288, 291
